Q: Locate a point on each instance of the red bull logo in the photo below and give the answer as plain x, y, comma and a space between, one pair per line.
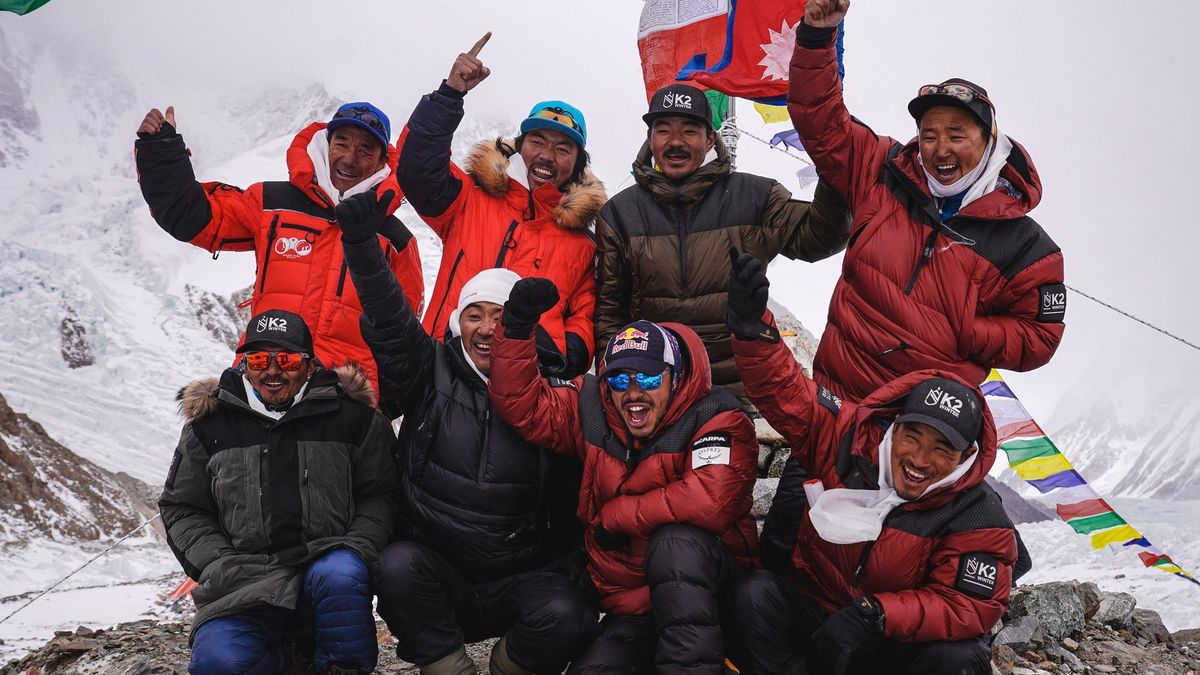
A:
631, 338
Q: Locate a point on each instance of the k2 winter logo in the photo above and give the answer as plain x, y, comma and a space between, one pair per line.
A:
677, 101
977, 575
1052, 306
292, 247
268, 323
939, 398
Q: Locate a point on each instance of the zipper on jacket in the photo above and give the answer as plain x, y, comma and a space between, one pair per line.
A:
341, 279
449, 284
293, 226
506, 243
899, 347
925, 255
262, 281
235, 240
862, 561
683, 276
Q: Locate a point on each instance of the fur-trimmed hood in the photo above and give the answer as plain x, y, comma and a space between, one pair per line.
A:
574, 209
199, 398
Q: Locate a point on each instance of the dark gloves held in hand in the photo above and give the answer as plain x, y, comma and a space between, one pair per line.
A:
527, 300
844, 633
748, 291
361, 216
574, 566
610, 541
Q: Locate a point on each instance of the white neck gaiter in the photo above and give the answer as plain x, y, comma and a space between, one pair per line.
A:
845, 516
257, 405
318, 152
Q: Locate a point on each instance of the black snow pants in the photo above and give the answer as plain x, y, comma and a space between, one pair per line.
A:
431, 609
772, 631
688, 571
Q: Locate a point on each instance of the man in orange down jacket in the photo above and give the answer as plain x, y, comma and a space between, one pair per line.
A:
904, 556
669, 468
290, 225
945, 267
525, 205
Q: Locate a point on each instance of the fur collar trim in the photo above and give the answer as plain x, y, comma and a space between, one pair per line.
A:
199, 398
488, 164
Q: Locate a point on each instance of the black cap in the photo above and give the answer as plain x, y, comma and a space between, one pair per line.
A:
980, 108
679, 100
282, 328
643, 346
951, 407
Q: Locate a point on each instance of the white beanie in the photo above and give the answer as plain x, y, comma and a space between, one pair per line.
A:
490, 285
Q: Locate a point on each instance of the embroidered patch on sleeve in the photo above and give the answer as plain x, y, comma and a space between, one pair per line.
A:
829, 400
1052, 303
711, 449
977, 575
559, 382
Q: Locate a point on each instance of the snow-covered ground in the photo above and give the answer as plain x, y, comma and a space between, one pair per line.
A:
1059, 553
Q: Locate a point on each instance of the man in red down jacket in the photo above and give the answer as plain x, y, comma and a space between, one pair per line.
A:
904, 561
669, 469
525, 205
290, 225
944, 268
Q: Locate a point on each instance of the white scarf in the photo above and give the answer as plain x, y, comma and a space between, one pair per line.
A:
318, 152
978, 181
258, 406
845, 516
471, 363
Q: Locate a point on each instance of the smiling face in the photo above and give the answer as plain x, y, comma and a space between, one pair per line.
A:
549, 156
477, 325
921, 456
274, 385
641, 410
679, 145
354, 154
952, 143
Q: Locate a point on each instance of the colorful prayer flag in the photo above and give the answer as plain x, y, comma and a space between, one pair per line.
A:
1038, 461
772, 114
789, 138
672, 32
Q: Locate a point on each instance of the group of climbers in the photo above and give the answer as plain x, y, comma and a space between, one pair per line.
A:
525, 496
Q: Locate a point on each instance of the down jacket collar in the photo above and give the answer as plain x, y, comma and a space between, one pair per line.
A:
200, 398
302, 174
1022, 193
695, 385
574, 209
874, 415
692, 188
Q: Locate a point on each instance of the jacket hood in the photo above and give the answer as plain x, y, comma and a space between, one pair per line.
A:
695, 384
1019, 191
885, 404
302, 174
574, 209
199, 398
692, 188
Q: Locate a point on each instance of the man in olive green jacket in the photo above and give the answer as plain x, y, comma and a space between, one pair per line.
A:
663, 244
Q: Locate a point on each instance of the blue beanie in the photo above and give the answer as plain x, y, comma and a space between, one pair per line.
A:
363, 115
557, 116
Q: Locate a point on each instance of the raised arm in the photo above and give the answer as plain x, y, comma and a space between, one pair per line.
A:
579, 312
403, 353
432, 184
213, 216
809, 231
542, 413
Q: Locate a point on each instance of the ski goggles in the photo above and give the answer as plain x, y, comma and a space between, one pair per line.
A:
363, 114
287, 361
619, 382
961, 92
559, 115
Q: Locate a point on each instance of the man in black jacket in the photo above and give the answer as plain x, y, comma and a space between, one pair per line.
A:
279, 497
493, 548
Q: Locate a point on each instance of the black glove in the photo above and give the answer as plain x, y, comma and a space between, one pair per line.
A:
573, 566
610, 541
748, 291
361, 216
843, 634
526, 302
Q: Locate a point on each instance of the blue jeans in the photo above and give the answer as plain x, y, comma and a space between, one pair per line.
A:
336, 603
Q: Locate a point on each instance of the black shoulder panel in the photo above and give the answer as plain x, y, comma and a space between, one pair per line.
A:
1010, 245
280, 195
977, 508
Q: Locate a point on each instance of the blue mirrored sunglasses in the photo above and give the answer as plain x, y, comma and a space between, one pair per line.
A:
619, 382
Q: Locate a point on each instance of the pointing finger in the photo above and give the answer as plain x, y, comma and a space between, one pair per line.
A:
479, 45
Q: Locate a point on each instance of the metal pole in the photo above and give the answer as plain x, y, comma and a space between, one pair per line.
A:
729, 132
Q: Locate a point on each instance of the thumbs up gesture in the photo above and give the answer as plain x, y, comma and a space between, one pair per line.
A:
155, 121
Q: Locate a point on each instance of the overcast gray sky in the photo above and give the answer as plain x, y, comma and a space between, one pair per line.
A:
1103, 99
